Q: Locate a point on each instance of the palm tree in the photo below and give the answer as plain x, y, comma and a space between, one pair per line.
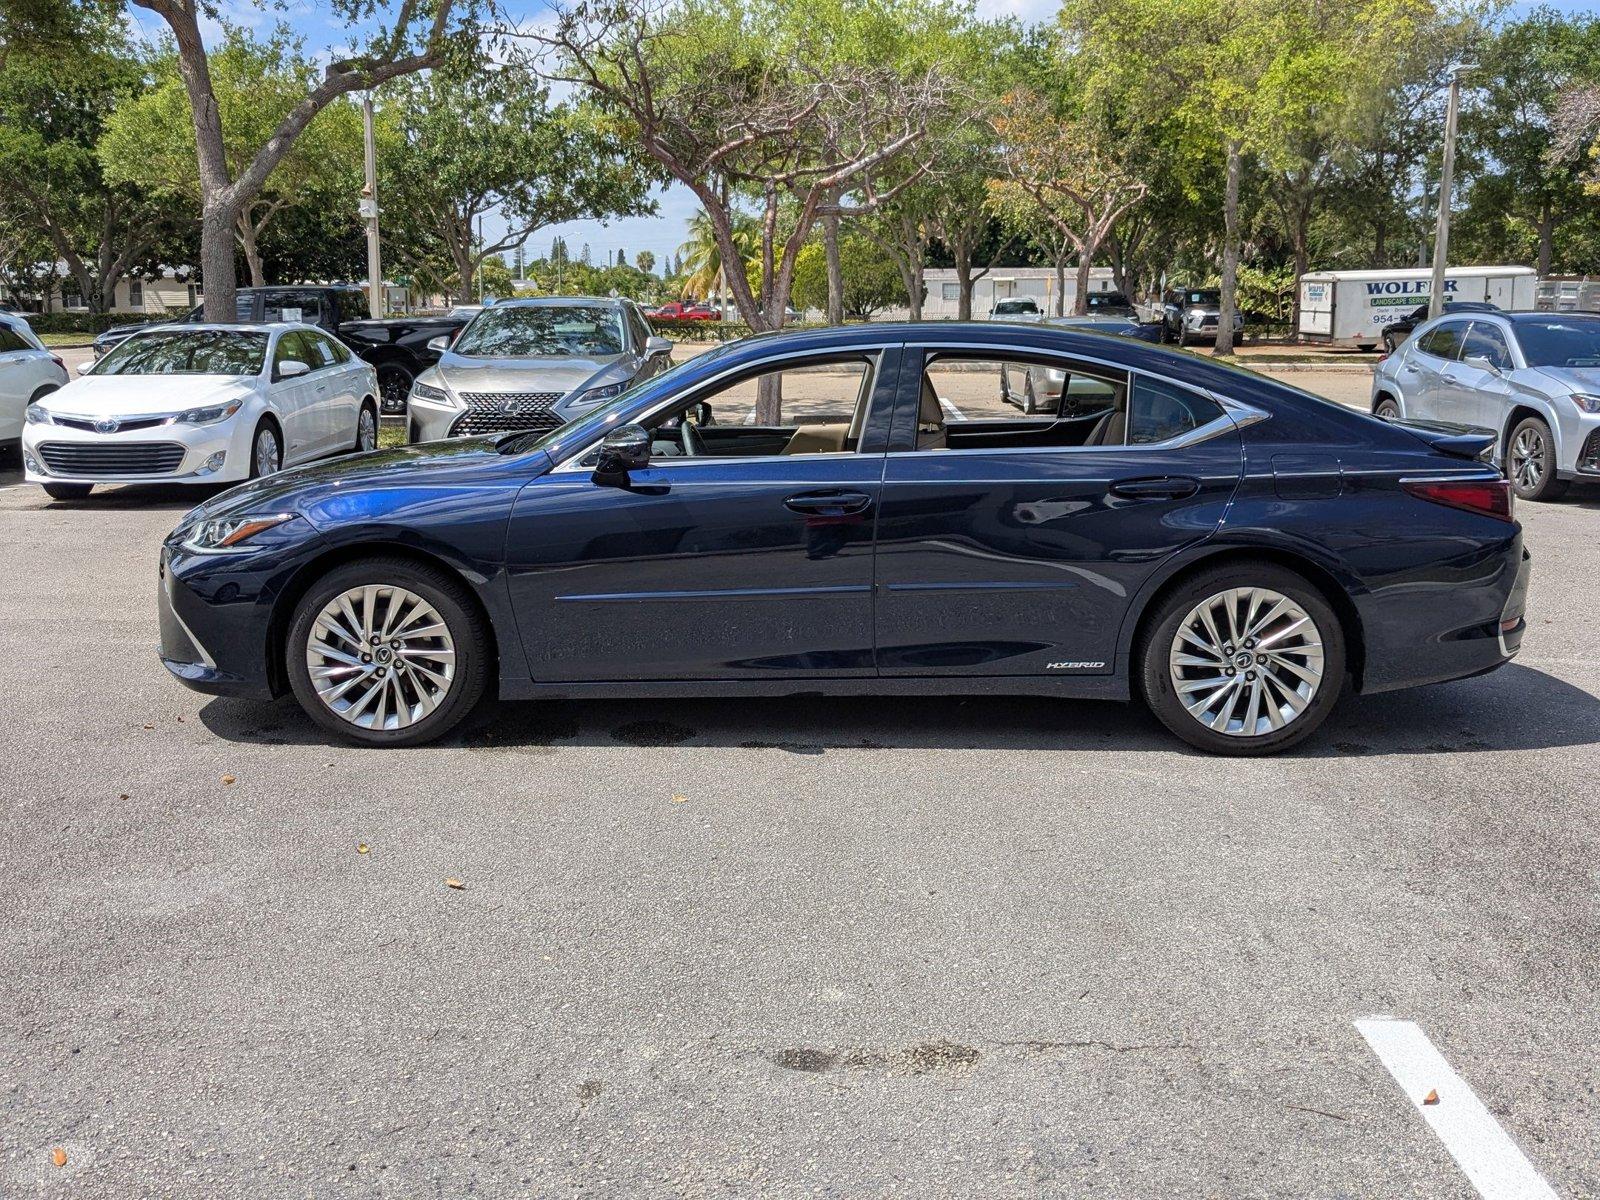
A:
702, 259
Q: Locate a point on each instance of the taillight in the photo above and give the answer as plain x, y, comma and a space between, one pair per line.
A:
56, 358
1488, 497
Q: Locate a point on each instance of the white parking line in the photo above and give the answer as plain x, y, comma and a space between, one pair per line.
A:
950, 410
1484, 1151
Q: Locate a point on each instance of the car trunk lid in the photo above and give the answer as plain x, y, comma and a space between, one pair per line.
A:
1458, 441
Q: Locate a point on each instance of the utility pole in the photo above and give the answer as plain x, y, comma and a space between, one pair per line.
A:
376, 300
1441, 230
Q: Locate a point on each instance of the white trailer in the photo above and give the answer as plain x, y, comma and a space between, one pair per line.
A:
1350, 308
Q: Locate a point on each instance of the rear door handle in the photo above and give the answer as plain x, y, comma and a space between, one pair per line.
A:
828, 504
1167, 487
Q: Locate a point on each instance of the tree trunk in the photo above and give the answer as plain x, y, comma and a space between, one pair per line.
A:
1302, 263
1230, 250
830, 249
217, 276
1547, 231
1080, 302
769, 399
1061, 281
252, 252
915, 288
964, 280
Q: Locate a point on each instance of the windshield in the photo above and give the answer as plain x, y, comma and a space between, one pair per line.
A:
1202, 297
187, 352
1012, 306
561, 331
1560, 343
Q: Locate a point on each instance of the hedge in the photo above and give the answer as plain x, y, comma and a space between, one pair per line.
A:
699, 331
83, 322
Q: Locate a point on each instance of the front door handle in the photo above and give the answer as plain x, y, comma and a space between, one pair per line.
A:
828, 504
1166, 487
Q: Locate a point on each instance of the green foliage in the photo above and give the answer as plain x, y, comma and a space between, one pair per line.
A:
871, 280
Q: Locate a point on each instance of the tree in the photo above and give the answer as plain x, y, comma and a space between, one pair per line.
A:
871, 280
1061, 169
700, 260
457, 148
416, 37
53, 111
751, 98
1523, 68
149, 140
645, 260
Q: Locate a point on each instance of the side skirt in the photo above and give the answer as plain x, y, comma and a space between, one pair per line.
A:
1080, 687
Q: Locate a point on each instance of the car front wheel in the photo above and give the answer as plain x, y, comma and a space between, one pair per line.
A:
68, 491
1387, 409
387, 652
1243, 659
1531, 461
266, 452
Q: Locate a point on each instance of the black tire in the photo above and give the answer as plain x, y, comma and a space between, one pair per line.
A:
368, 410
68, 491
1389, 344
1538, 480
1030, 398
1387, 409
1155, 671
454, 606
265, 429
394, 387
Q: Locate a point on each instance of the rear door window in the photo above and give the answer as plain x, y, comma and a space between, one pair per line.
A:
1444, 341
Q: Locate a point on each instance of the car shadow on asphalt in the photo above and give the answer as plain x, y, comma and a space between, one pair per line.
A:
154, 497
1516, 708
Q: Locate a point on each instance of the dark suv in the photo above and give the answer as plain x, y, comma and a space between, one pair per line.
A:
1398, 331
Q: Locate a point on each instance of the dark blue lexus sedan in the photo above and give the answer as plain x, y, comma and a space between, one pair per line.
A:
859, 510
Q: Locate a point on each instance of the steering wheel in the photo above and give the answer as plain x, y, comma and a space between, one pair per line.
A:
689, 439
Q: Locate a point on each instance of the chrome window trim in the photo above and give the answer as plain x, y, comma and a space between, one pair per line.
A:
1237, 415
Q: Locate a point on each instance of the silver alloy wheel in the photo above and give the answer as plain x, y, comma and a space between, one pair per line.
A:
1528, 455
268, 456
367, 430
1246, 662
380, 657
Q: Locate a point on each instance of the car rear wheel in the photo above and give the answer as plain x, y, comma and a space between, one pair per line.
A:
1389, 343
68, 491
387, 652
394, 387
367, 428
1531, 461
266, 452
1244, 659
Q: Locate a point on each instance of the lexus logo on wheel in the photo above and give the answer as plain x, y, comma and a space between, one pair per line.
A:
107, 425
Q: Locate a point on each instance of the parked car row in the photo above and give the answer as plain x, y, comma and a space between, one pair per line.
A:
399, 348
28, 373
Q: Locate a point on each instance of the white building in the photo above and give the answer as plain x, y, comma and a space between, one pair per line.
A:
943, 298
172, 293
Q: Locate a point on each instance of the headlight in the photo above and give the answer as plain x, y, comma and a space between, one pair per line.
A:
230, 535
208, 415
38, 414
594, 395
1588, 404
429, 394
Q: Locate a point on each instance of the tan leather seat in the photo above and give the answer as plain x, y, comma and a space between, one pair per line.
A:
930, 418
818, 439
1109, 430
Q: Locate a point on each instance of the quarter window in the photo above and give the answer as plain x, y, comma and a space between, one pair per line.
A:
1159, 411
1486, 341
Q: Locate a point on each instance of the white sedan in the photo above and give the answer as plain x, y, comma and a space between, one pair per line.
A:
27, 372
202, 404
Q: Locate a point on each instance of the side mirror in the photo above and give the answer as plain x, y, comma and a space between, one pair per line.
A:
291, 368
1479, 363
439, 344
626, 448
656, 347
84, 368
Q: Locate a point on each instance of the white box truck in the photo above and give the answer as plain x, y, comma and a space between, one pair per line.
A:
1350, 308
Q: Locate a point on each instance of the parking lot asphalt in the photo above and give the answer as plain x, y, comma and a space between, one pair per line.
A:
934, 948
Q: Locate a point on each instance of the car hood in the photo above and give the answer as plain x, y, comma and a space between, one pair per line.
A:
563, 375
136, 395
423, 465
1584, 380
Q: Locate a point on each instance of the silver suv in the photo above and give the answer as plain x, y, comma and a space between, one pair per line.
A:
1532, 378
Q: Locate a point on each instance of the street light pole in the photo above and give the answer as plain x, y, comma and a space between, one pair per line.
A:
376, 300
1441, 230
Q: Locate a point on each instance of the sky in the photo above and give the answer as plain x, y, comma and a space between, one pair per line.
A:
326, 36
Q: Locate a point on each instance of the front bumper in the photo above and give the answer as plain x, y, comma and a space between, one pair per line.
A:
159, 454
216, 612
